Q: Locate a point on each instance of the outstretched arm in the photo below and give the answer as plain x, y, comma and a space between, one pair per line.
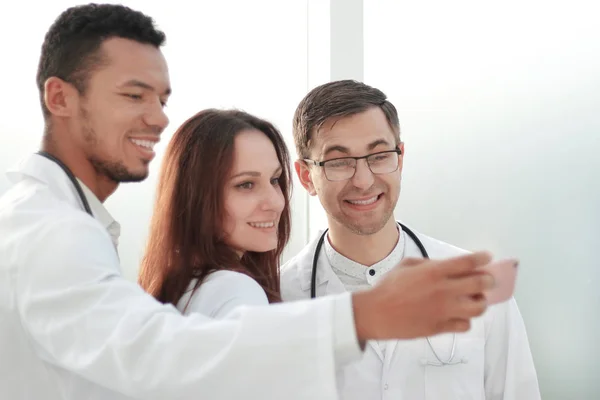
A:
82, 316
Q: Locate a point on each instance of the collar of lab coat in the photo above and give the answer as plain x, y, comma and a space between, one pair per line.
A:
304, 260
102, 214
46, 171
324, 271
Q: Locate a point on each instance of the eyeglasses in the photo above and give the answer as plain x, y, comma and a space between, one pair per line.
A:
341, 169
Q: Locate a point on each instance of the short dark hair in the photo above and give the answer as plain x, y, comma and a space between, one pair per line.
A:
337, 99
70, 48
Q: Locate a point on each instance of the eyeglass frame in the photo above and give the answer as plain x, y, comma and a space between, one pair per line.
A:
365, 157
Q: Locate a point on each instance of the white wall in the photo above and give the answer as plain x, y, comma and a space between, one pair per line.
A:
499, 108
339, 55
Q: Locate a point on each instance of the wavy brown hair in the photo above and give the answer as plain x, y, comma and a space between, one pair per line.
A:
186, 231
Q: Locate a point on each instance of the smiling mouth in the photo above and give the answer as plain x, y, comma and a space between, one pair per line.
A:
145, 144
365, 202
262, 225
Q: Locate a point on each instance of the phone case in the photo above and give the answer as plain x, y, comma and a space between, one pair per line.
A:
505, 276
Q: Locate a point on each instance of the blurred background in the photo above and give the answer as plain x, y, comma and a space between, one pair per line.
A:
499, 107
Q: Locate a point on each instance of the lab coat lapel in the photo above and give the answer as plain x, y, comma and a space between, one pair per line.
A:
335, 286
305, 263
410, 250
327, 281
375, 346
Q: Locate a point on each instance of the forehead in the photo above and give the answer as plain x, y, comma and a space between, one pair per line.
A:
130, 60
253, 150
354, 132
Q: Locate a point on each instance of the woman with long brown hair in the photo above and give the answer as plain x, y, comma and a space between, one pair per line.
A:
221, 217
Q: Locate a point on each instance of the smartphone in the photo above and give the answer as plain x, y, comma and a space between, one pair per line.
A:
505, 276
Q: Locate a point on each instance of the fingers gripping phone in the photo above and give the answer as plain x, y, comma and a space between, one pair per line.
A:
505, 276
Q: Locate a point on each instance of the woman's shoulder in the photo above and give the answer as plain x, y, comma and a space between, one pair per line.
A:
220, 288
226, 282
229, 278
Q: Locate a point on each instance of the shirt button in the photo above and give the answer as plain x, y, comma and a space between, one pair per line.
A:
385, 387
371, 272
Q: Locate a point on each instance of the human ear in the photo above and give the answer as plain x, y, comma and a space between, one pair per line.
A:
60, 97
303, 172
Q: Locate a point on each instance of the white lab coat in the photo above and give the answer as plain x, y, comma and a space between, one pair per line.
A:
497, 362
72, 328
220, 293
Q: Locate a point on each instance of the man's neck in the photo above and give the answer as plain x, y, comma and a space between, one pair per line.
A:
82, 168
364, 249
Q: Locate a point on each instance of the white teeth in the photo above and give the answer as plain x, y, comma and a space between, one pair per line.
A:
144, 143
364, 202
261, 224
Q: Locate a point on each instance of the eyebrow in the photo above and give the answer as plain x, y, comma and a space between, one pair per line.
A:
255, 174
143, 85
345, 150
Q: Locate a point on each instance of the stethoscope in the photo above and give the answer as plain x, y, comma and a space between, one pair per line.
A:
84, 202
413, 236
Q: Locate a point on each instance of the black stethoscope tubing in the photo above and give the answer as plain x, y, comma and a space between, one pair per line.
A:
313, 278
84, 202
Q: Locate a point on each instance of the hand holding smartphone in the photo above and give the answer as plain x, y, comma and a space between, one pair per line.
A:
505, 276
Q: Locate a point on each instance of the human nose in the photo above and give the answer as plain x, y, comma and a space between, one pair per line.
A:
156, 117
273, 199
363, 177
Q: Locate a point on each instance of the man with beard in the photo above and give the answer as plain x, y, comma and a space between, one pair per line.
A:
347, 137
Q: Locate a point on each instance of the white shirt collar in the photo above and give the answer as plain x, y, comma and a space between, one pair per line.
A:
102, 214
50, 173
367, 274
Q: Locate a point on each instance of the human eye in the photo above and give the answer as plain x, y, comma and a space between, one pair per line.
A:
245, 185
381, 157
133, 96
275, 181
339, 163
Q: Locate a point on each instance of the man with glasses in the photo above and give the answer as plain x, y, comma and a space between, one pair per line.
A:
347, 137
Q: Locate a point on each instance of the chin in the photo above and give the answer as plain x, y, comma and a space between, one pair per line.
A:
364, 228
139, 176
136, 173
118, 172
139, 173
261, 248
